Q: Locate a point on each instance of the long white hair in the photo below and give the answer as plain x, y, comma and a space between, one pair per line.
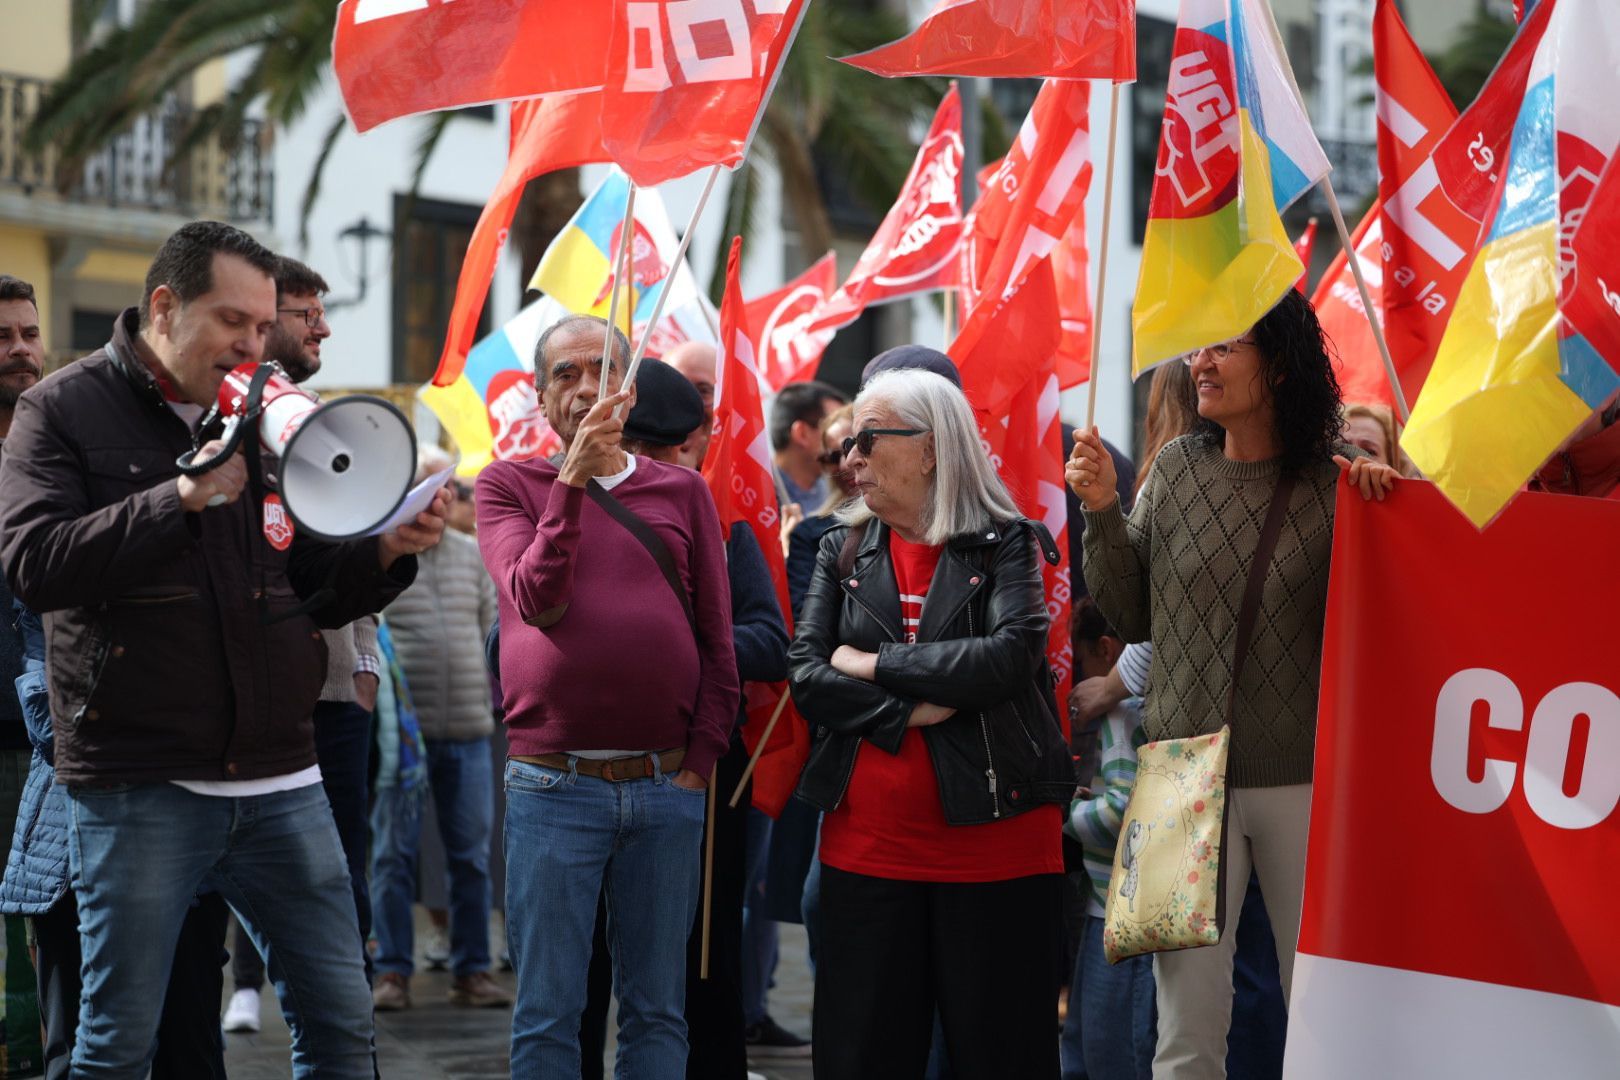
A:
966, 495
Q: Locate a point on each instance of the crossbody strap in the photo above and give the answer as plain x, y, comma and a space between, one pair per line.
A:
650, 540
1250, 611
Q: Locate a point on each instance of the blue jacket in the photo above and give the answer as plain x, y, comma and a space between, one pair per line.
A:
37, 869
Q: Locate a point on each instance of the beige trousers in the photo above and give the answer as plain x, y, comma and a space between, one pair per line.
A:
1265, 830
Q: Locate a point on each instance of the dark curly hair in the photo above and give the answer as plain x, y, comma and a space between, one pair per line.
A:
1305, 393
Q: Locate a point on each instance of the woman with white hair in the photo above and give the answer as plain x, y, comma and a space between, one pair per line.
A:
939, 763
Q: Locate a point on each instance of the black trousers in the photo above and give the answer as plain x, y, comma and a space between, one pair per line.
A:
714, 1011
189, 1043
986, 956
343, 748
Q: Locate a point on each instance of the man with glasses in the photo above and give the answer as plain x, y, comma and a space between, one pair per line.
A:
349, 695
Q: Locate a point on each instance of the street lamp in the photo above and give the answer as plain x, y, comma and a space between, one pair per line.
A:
364, 232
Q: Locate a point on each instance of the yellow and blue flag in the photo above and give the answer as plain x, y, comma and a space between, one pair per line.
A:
491, 410
1235, 150
578, 266
1513, 378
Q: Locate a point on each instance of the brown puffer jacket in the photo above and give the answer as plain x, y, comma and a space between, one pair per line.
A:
163, 659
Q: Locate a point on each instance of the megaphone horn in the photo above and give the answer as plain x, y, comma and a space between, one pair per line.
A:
346, 465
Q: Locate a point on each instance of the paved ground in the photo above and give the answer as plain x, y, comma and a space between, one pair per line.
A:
434, 1041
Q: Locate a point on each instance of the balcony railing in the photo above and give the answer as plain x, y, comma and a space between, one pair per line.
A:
230, 178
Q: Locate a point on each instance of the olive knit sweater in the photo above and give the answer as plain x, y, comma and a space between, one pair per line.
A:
1174, 574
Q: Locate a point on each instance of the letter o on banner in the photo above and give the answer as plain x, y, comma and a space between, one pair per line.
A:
1546, 758
1453, 721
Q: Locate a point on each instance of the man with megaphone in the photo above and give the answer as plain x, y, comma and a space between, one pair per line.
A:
185, 658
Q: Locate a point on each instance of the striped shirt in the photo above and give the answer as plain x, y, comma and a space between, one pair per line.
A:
1133, 667
1095, 820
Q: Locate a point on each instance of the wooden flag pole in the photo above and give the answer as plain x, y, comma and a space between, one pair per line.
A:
621, 269
669, 281
759, 750
1366, 300
708, 873
1102, 258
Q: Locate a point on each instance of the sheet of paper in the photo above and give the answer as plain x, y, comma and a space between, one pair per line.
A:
416, 502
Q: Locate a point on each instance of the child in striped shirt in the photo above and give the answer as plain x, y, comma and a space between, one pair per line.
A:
1112, 1022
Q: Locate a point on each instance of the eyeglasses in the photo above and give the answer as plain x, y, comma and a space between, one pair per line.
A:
831, 459
1217, 352
313, 316
865, 439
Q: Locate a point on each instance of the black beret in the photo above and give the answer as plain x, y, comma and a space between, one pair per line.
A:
912, 356
667, 409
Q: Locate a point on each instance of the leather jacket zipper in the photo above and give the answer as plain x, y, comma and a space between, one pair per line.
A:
984, 730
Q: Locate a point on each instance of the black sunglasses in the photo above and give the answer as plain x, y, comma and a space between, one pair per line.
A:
866, 439
831, 458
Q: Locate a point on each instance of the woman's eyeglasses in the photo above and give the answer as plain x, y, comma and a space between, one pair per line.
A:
865, 440
831, 459
1217, 352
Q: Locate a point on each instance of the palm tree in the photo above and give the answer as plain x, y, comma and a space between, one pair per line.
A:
1469, 60
821, 110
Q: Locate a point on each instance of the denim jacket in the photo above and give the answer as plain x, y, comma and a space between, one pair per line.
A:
37, 868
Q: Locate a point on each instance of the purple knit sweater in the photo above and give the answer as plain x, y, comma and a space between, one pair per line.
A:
620, 669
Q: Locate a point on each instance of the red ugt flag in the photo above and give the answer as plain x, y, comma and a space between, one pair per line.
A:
1027, 207
780, 322
914, 249
1015, 39
687, 81
394, 58
547, 133
1592, 305
738, 471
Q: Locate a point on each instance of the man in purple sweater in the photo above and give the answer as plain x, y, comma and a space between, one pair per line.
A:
620, 694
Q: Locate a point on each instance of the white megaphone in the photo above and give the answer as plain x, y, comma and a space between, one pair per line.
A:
346, 465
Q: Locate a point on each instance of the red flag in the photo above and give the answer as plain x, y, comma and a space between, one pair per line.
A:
547, 134
1592, 302
1015, 39
687, 81
1073, 283
738, 471
1303, 248
394, 58
914, 249
1421, 247
779, 322
1025, 210
1025, 440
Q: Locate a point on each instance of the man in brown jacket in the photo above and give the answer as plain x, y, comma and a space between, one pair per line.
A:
184, 660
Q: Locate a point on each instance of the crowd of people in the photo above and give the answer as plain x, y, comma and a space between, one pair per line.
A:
213, 718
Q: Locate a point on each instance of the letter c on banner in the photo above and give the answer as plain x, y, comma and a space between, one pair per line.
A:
1453, 721
1546, 759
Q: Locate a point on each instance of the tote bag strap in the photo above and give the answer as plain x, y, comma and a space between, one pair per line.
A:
1270, 530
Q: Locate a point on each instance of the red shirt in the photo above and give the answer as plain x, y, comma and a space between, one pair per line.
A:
891, 823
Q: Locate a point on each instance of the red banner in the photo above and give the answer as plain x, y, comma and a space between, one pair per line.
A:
738, 471
1303, 247
1026, 208
687, 79
394, 58
914, 249
1457, 917
547, 134
1015, 39
1592, 303
780, 323
1072, 280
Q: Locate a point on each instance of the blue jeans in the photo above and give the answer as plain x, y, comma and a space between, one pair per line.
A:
1113, 1020
138, 853
570, 838
460, 777
1254, 1043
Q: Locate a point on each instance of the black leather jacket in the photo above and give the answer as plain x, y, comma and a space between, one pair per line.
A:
980, 649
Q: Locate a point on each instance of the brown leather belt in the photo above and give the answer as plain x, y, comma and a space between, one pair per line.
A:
613, 770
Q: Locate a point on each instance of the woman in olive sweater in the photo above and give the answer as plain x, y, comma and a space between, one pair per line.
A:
1174, 574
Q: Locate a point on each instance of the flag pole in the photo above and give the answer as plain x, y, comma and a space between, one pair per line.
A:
621, 269
674, 269
1366, 299
1102, 259
708, 873
759, 749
